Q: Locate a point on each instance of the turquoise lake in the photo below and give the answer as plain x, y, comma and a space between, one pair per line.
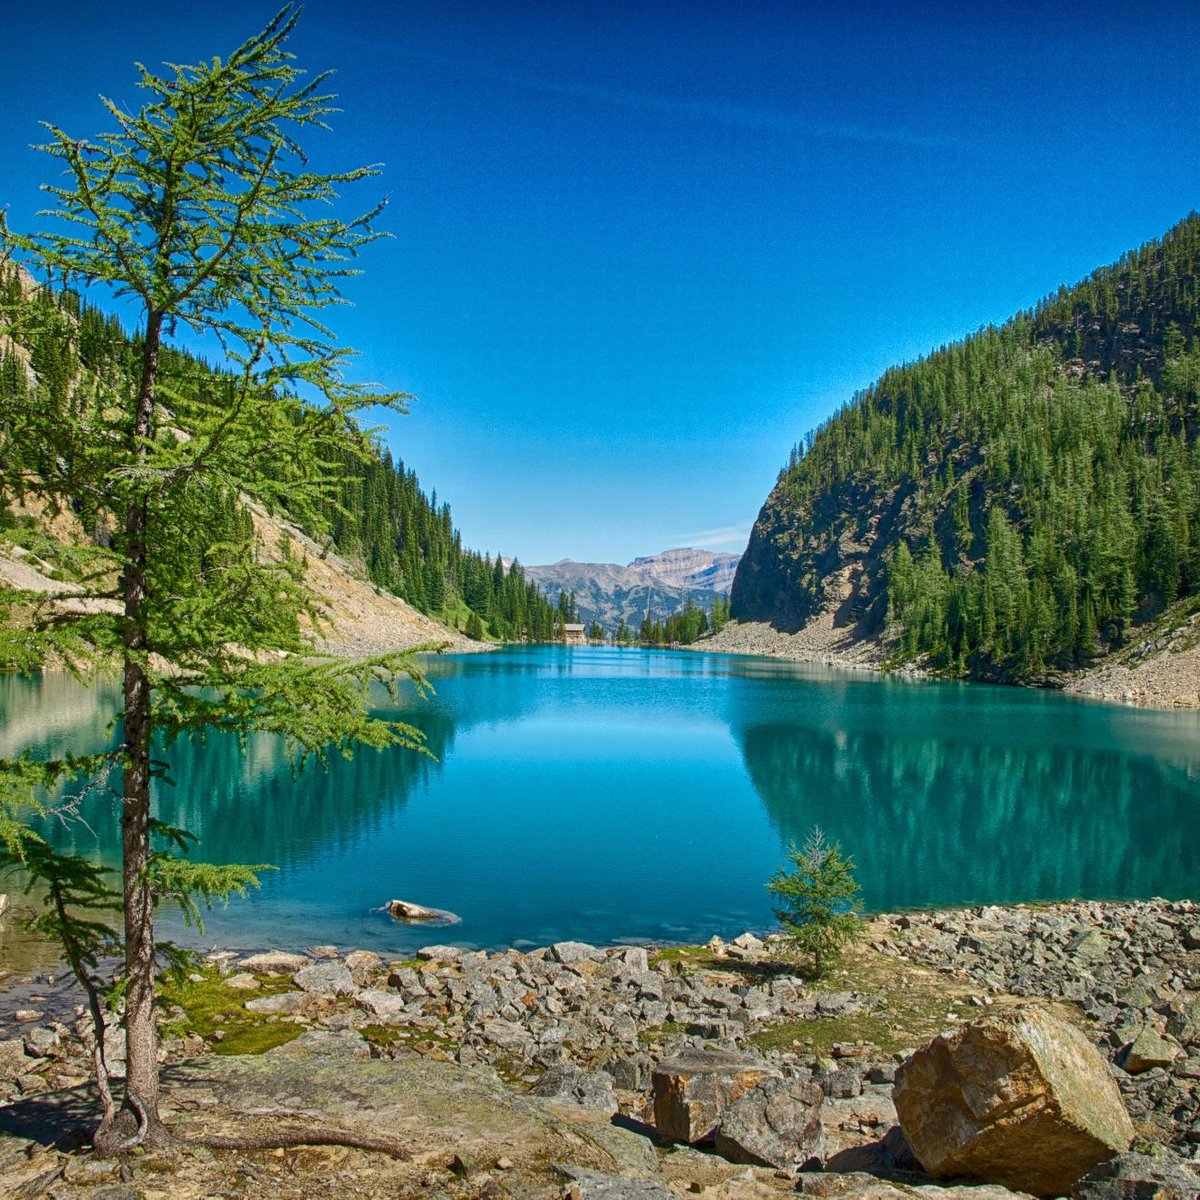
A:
605, 795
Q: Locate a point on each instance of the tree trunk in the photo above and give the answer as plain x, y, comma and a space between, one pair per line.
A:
141, 1033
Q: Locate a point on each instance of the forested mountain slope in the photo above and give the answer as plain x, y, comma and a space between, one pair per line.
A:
1014, 505
57, 348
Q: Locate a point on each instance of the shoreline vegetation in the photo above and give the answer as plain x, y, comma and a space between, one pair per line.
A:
543, 1059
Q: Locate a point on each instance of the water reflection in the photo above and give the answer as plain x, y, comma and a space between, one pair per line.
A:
961, 794
600, 794
243, 802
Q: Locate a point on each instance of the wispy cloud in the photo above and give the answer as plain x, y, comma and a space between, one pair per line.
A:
730, 537
737, 115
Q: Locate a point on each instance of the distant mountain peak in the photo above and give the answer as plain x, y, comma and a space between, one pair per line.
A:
655, 584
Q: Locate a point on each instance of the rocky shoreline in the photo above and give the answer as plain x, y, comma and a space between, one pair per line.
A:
1162, 673
582, 1029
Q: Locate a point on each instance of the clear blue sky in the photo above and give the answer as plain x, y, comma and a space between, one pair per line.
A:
640, 248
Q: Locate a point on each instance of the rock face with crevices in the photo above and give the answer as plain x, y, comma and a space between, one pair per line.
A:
1022, 1100
775, 1124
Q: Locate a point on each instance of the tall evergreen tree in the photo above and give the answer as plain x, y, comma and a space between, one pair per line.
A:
200, 207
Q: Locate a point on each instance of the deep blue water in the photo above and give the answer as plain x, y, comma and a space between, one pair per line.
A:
604, 794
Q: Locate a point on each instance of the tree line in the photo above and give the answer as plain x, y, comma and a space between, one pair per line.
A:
378, 515
1038, 483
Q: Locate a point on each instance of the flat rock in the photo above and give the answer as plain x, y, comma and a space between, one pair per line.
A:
343, 1044
585, 1184
1021, 1099
243, 981
1138, 1177
568, 1084
380, 1003
274, 962
573, 952
693, 1090
775, 1124
858, 1186
280, 1004
325, 979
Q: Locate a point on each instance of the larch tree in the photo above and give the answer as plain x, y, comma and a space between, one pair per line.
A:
818, 900
201, 209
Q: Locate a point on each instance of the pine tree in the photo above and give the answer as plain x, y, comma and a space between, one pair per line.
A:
818, 900
201, 207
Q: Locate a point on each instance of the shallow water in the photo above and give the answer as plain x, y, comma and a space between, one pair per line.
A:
604, 794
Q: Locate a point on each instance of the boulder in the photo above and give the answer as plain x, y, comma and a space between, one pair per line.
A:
635, 958
381, 1004
1138, 1177
1021, 1099
14, 1062
41, 1042
364, 965
325, 979
405, 910
573, 952
440, 954
693, 1090
775, 1124
1147, 1050
274, 962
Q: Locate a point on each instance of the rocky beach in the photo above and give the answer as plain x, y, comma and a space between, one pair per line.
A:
1160, 670
580, 1071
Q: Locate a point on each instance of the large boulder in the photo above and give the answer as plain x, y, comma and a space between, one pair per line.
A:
775, 1124
693, 1090
1021, 1099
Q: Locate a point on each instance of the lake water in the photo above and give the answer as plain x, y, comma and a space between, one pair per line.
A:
602, 795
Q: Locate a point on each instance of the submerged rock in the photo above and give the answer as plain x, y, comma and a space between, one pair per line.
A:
405, 910
1022, 1100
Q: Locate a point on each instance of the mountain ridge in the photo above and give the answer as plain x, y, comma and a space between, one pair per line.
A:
1014, 506
654, 585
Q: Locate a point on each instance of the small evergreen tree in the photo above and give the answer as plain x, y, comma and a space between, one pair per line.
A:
818, 900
